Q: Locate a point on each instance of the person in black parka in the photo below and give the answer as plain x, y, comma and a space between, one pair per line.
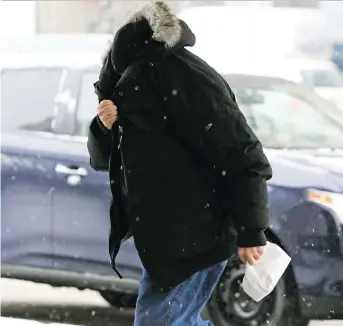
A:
188, 175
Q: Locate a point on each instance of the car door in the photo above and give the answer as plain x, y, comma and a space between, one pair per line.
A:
27, 167
81, 198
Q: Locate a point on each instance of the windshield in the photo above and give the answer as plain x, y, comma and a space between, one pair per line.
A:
282, 119
322, 78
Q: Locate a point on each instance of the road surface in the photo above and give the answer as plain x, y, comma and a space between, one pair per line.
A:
42, 302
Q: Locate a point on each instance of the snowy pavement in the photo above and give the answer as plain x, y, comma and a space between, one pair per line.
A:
30, 301
8, 321
27, 300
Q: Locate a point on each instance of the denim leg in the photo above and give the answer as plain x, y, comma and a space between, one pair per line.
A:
182, 305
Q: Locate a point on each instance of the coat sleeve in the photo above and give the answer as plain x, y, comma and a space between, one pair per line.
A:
99, 138
99, 145
108, 79
211, 125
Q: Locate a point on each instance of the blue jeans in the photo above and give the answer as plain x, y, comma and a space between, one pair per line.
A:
182, 305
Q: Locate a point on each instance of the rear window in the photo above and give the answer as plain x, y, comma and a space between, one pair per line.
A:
27, 98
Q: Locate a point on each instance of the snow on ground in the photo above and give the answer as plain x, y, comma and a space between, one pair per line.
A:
24, 322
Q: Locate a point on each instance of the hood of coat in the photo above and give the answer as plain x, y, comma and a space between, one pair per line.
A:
152, 31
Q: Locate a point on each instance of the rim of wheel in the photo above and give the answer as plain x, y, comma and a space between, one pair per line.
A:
230, 305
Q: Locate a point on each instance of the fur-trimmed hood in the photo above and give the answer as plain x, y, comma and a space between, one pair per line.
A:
151, 31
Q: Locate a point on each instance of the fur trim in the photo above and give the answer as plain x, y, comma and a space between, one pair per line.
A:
107, 52
165, 25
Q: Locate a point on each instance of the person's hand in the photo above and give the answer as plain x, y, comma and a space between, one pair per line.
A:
107, 113
250, 255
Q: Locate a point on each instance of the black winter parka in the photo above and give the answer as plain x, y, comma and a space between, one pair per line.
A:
188, 175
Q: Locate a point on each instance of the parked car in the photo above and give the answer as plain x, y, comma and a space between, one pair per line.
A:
337, 56
322, 76
54, 210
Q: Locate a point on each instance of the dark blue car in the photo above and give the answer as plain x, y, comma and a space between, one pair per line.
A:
55, 218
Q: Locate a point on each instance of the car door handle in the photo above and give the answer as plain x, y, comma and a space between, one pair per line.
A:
63, 169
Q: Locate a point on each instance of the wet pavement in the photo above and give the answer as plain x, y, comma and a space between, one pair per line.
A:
28, 300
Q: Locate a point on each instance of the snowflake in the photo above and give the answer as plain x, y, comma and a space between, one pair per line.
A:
208, 127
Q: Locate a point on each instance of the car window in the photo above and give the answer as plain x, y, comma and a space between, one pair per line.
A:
27, 98
323, 78
87, 104
284, 120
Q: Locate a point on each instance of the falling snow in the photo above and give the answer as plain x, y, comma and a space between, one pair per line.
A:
174, 92
208, 127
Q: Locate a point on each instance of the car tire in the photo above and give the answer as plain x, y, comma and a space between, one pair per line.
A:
119, 300
230, 306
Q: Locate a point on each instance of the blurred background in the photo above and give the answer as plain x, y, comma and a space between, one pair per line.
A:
284, 61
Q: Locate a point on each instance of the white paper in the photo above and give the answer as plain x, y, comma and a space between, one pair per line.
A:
260, 279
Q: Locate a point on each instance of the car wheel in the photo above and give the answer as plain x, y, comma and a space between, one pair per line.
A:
119, 300
230, 306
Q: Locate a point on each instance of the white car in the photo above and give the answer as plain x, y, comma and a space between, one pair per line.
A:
323, 76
